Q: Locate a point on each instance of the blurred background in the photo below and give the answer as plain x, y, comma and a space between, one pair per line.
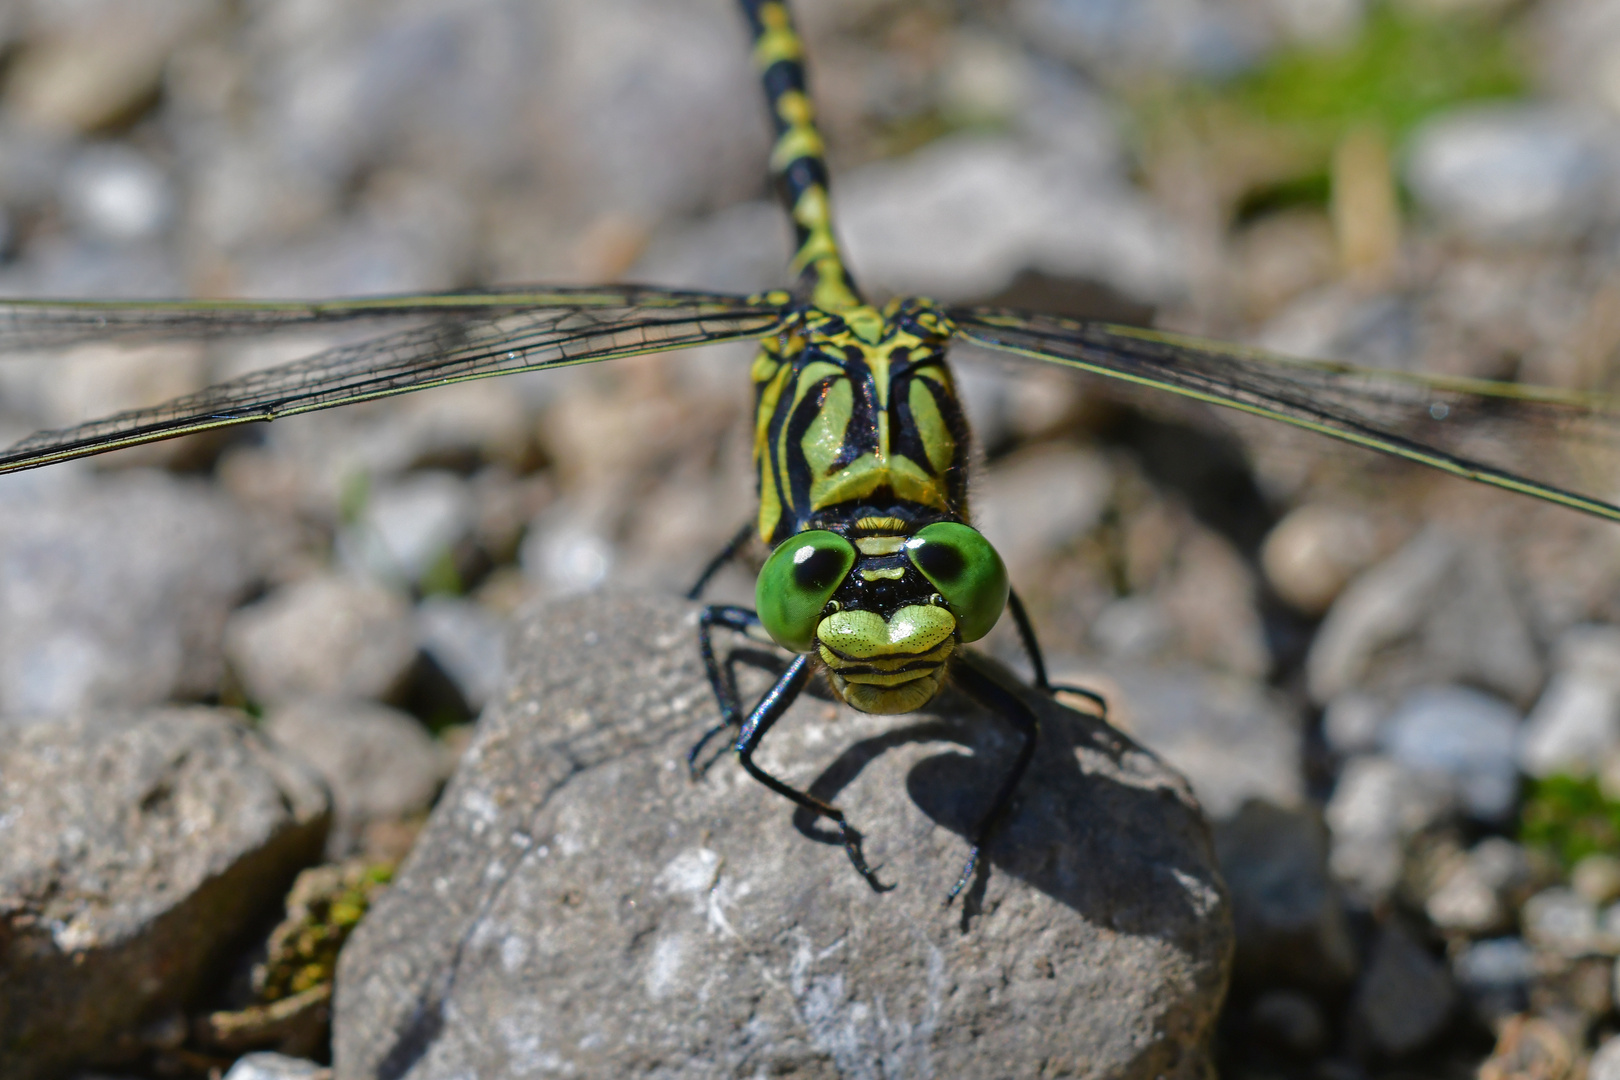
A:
1397, 697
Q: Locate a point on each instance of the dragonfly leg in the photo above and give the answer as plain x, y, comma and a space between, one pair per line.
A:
765, 714
987, 692
1032, 648
726, 554
721, 677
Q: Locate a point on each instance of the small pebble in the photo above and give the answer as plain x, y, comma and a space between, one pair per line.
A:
116, 193
1561, 921
1406, 996
1291, 1020
1313, 553
1376, 806
1597, 878
1511, 174
1575, 725
409, 526
268, 1066
1351, 721
1494, 964
1496, 975
1606, 1061
1464, 734
327, 636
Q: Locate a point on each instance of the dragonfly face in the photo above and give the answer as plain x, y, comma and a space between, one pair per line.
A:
883, 604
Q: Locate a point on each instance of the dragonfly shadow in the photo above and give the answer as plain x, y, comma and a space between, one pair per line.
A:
1098, 823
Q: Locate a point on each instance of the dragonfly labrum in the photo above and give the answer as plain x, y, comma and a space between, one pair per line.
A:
876, 576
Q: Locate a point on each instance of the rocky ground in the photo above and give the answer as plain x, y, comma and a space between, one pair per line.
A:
236, 675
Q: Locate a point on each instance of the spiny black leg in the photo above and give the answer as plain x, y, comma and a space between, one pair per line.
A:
1026, 634
987, 692
741, 620
727, 553
768, 712
1032, 648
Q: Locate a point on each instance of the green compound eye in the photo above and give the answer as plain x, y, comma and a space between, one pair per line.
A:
797, 581
966, 570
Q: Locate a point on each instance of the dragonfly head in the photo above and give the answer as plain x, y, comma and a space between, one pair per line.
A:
884, 610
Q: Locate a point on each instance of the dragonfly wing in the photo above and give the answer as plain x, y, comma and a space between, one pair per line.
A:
441, 351
1493, 433
37, 324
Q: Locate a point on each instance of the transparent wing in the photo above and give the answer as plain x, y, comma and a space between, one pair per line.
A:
1538, 441
35, 324
448, 348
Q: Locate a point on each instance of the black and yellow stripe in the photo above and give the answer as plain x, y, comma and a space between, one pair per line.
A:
854, 419
798, 158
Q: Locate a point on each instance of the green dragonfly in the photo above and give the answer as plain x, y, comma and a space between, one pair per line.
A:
875, 576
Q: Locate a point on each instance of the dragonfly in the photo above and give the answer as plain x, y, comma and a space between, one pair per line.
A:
875, 576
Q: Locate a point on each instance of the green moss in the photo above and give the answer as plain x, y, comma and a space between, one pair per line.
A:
1402, 69
1569, 818
1269, 134
353, 497
442, 577
325, 905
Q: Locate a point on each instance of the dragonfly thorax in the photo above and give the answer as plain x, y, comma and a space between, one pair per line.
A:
857, 409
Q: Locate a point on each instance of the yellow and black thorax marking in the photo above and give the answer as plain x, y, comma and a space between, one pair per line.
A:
857, 418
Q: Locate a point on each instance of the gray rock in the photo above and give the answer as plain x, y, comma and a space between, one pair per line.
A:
741, 248
1377, 805
1475, 895
379, 763
1290, 923
1341, 320
1605, 1063
1311, 554
1133, 628
409, 525
326, 636
1596, 877
1438, 610
1573, 727
116, 193
266, 1066
1291, 1020
564, 552
137, 848
1231, 739
1383, 605
1495, 975
1496, 962
87, 72
1037, 501
1464, 735
1575, 724
1513, 173
1210, 599
1351, 723
1204, 38
1405, 997
467, 641
577, 904
962, 216
114, 589
1562, 921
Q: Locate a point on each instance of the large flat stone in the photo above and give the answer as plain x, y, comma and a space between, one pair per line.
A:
114, 589
135, 849
577, 905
